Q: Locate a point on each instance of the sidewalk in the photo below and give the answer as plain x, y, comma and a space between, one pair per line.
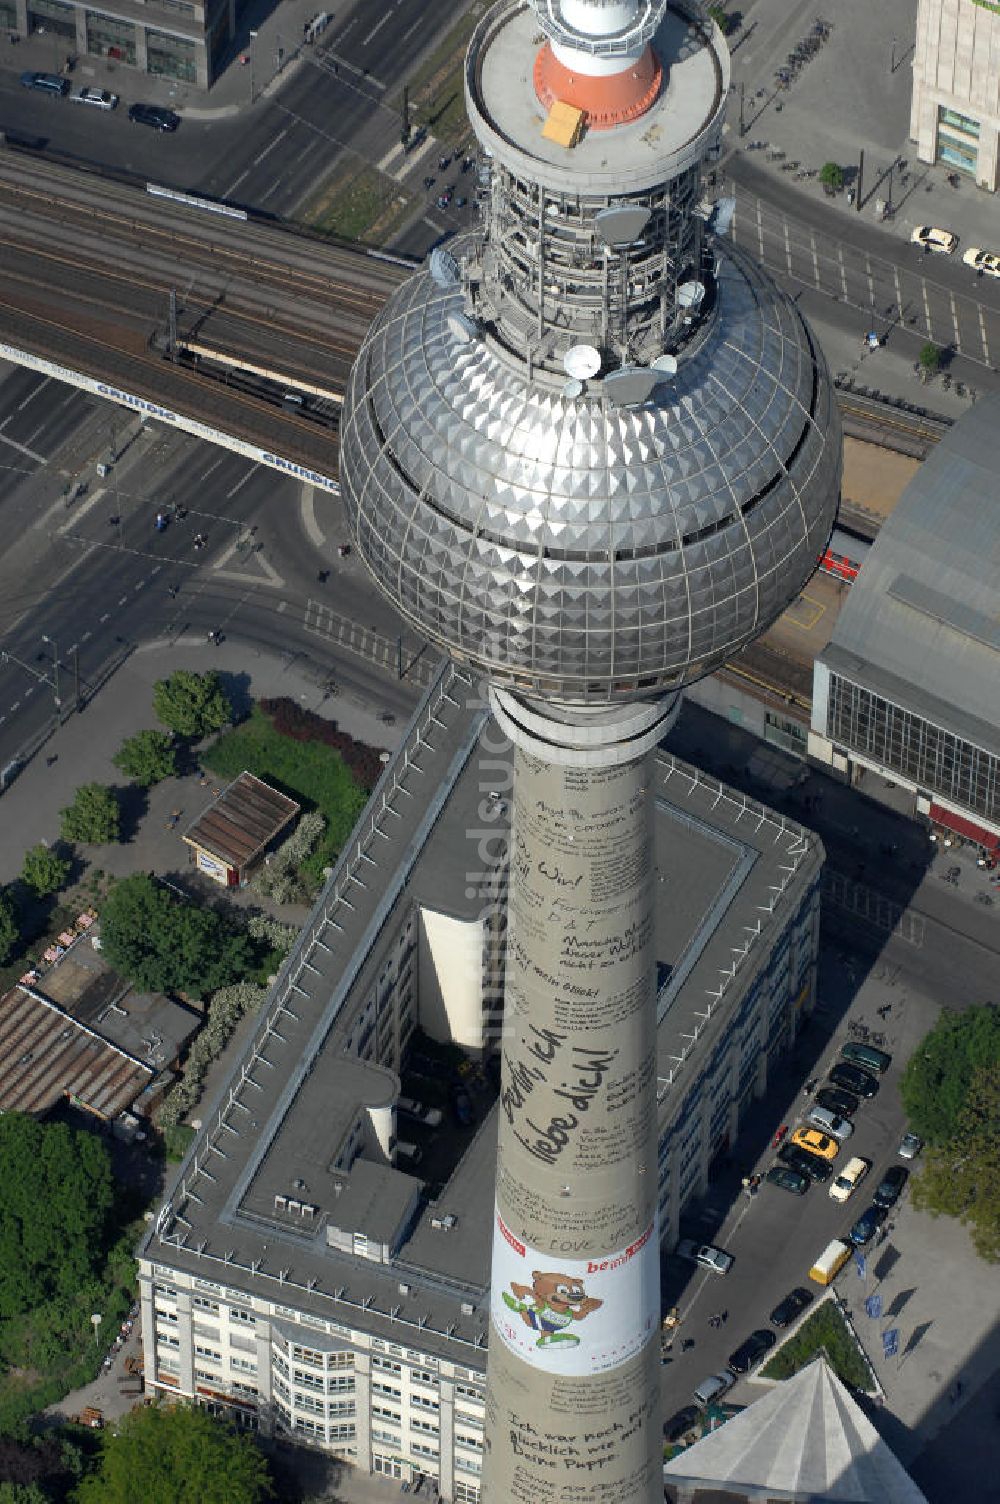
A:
84, 745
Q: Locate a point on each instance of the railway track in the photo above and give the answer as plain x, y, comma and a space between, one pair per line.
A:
890, 425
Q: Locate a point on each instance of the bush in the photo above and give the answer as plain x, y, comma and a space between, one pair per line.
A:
289, 719
831, 175
929, 358
94, 816
10, 925
44, 871
147, 758
227, 1007
280, 877
177, 1139
825, 1331
191, 704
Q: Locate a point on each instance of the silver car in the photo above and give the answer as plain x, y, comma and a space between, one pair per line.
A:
910, 1146
99, 99
705, 1254
837, 1127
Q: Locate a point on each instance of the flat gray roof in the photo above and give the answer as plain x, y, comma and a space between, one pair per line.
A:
920, 625
732, 872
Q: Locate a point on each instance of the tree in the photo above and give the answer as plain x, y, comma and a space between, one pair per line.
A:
936, 1080
23, 1493
164, 944
722, 19
961, 1177
10, 928
44, 870
147, 758
831, 175
56, 1193
191, 704
929, 360
173, 1455
94, 815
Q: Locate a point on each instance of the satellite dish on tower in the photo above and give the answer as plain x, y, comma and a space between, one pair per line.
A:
582, 362
665, 365
690, 294
461, 327
443, 268
572, 388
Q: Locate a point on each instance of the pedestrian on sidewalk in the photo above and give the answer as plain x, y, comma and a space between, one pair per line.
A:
723, 1318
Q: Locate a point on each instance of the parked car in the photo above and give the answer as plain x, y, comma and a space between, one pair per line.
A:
431, 1117
933, 239
808, 1164
982, 261
867, 1056
829, 1122
849, 1179
844, 1103
816, 1142
853, 1078
910, 1146
750, 1352
713, 1388
890, 1187
49, 83
867, 1225
678, 1425
705, 1254
99, 99
788, 1179
156, 116
794, 1303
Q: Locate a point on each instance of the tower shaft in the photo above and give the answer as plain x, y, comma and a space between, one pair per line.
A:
573, 1377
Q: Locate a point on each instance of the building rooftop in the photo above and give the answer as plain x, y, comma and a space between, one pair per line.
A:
245, 818
920, 626
284, 1114
805, 1440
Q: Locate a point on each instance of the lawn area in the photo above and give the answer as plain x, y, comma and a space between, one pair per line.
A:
825, 1331
314, 774
362, 204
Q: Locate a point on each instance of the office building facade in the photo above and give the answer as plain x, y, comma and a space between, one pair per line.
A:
955, 105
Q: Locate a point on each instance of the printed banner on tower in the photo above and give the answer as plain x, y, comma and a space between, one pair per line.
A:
574, 1316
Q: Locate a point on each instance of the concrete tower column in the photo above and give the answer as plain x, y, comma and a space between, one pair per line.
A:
572, 1410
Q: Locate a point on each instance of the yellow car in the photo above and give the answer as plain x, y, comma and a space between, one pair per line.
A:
816, 1142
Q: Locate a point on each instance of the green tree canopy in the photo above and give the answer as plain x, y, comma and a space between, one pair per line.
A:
164, 944
94, 815
831, 175
961, 1178
56, 1191
44, 870
147, 758
10, 928
929, 358
191, 704
176, 1455
936, 1080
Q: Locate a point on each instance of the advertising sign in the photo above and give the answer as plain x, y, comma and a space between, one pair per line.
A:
574, 1316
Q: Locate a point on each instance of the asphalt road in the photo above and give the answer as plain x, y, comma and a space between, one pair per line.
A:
269, 157
269, 573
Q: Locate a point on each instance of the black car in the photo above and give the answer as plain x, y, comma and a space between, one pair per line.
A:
461, 1106
794, 1303
788, 1179
853, 1078
867, 1225
157, 116
750, 1352
890, 1187
804, 1162
844, 1103
678, 1425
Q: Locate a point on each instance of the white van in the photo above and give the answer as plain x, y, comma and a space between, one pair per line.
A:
830, 1262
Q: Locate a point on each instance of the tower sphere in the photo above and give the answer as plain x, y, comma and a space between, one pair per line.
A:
594, 451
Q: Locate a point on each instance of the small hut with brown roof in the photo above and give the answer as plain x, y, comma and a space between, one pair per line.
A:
230, 838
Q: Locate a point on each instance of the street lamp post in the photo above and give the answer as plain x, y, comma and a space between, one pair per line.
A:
253, 38
55, 669
892, 60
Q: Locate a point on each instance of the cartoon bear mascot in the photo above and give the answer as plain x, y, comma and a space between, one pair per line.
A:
551, 1304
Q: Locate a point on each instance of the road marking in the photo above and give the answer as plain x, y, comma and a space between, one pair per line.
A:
418, 22
236, 183
21, 448
32, 395
242, 482
954, 321
312, 527
788, 247
843, 272
16, 706
812, 244
123, 601
104, 618
213, 467
927, 309
279, 137
376, 28
86, 636
77, 512
982, 335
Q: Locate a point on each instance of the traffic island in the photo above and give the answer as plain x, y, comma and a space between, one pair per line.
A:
825, 1332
